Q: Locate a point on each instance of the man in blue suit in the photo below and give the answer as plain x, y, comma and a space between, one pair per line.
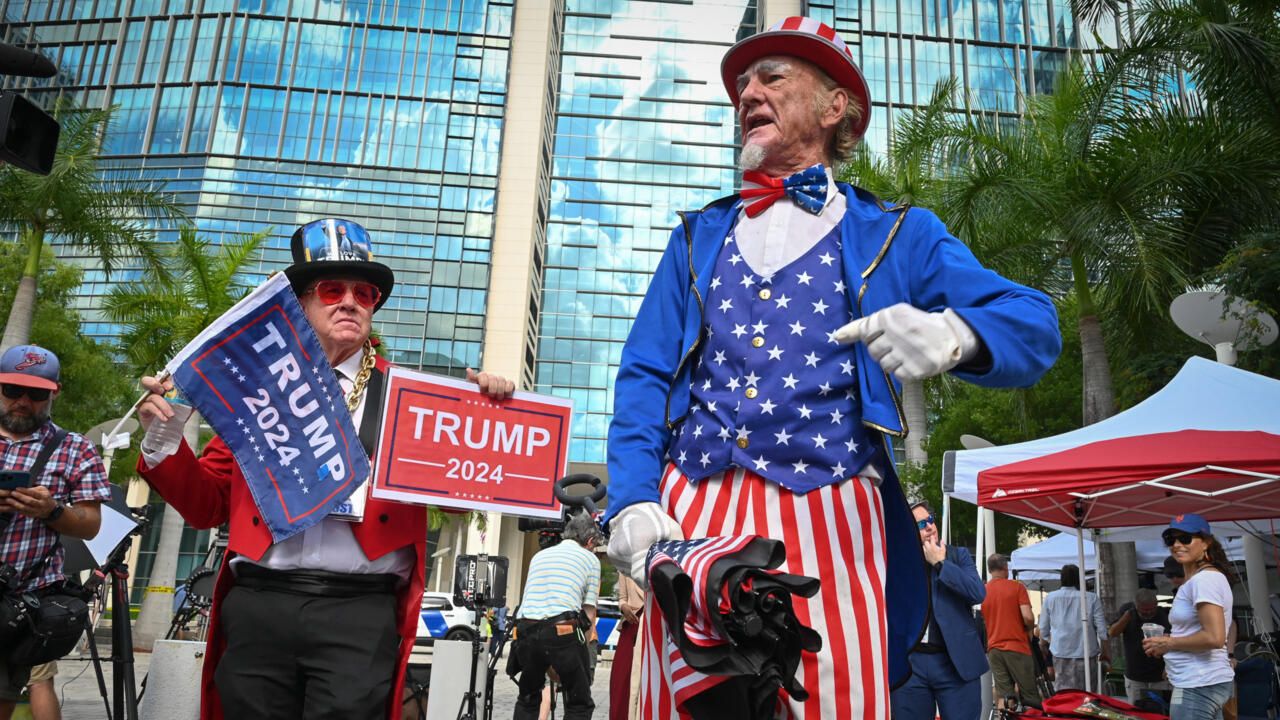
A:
946, 664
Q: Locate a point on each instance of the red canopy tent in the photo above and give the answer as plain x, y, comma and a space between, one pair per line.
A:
1143, 480
1210, 445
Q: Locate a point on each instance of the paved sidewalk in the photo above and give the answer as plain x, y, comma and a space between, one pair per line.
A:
77, 686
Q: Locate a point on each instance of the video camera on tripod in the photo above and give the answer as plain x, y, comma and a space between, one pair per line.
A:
480, 581
550, 532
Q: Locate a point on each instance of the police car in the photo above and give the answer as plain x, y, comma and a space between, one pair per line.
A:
440, 619
608, 623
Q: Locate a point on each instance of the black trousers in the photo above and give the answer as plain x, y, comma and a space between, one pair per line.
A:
302, 656
540, 646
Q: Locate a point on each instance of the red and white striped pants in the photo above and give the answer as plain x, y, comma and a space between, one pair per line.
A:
836, 534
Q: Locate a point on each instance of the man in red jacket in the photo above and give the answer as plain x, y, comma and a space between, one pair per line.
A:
321, 624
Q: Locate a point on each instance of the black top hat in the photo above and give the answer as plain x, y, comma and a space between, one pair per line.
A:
333, 247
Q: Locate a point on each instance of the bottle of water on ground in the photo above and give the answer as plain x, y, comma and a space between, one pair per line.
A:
165, 436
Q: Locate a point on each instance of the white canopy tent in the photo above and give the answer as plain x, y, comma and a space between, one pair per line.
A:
1043, 560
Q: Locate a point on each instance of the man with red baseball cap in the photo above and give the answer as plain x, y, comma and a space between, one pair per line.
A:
39, 500
757, 393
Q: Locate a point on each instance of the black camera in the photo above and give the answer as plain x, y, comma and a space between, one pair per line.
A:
14, 608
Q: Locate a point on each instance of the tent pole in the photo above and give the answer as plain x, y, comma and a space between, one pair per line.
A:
991, 534
1255, 568
946, 518
981, 545
1084, 608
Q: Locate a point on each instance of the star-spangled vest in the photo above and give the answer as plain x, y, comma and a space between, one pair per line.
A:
772, 391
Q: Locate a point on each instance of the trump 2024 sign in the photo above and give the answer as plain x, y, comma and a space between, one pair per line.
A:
443, 443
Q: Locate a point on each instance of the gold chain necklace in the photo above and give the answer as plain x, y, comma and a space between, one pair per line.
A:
361, 379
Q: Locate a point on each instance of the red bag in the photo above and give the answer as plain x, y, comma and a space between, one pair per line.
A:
1081, 704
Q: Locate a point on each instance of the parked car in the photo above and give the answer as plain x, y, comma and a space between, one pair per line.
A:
608, 623
440, 619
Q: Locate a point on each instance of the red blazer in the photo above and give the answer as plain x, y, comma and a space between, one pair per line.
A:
211, 490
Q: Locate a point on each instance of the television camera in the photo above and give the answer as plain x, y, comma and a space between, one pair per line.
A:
28, 135
550, 532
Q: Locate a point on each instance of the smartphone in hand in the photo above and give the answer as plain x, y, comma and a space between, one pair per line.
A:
14, 479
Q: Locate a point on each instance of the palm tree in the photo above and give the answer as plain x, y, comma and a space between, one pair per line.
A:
111, 217
189, 286
911, 175
1127, 191
1117, 187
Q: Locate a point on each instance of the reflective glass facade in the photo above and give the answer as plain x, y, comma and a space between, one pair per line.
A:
644, 129
269, 113
998, 50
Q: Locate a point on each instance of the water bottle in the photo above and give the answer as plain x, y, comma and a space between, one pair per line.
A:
164, 437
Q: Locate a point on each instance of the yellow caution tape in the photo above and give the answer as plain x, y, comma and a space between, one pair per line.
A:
160, 589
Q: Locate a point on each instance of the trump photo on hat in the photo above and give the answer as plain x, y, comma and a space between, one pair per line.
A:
335, 247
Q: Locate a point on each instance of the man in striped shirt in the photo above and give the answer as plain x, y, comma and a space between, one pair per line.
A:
555, 618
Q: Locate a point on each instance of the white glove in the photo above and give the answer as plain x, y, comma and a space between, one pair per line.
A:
911, 343
633, 531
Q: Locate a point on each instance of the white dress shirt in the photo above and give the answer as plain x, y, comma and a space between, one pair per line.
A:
782, 233
328, 545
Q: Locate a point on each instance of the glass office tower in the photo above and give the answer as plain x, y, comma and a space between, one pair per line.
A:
270, 113
998, 50
644, 129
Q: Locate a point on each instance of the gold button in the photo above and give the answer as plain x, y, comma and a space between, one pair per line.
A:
765, 294
757, 341
751, 392
743, 443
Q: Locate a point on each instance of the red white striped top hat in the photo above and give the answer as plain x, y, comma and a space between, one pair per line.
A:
806, 39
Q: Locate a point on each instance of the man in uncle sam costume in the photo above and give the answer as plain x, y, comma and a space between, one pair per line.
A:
321, 623
758, 387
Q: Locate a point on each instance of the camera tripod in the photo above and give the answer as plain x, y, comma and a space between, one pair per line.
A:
116, 572
467, 707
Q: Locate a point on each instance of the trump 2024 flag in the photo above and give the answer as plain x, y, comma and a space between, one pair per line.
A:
261, 380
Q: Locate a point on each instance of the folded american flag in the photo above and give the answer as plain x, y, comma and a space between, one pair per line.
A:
732, 636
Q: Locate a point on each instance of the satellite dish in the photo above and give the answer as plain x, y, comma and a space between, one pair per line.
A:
1214, 317
973, 442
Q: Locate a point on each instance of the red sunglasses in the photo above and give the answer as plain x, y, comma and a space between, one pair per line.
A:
331, 292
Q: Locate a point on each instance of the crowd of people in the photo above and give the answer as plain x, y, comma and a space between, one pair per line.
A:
1176, 657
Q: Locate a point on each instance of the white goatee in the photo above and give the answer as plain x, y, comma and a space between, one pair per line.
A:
752, 157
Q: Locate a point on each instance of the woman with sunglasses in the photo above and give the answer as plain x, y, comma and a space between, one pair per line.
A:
1195, 653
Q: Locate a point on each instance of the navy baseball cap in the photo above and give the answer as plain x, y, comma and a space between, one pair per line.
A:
30, 366
1190, 523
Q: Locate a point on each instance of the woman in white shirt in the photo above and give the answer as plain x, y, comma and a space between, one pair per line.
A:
1195, 653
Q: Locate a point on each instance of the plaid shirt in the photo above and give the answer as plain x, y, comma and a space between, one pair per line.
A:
73, 474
